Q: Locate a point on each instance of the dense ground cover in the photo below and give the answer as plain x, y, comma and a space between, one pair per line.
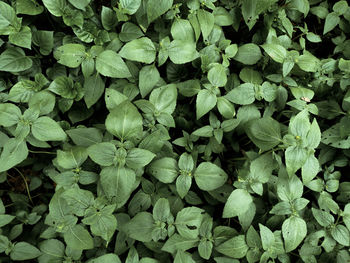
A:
174, 131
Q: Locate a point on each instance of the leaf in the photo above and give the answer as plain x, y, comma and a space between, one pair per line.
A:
80, 4
140, 227
277, 52
308, 62
206, 22
85, 136
55, 7
130, 6
237, 203
5, 219
110, 64
295, 158
248, 54
164, 99
125, 122
235, 247
148, 78
164, 169
267, 237
117, 183
209, 176
72, 158
103, 153
183, 184
217, 75
10, 114
79, 200
182, 51
188, 221
265, 133
107, 258
155, 8
77, 237
52, 249
244, 94
332, 20
183, 257
138, 158
71, 55
94, 88
294, 231
181, 29
341, 234
13, 153
46, 129
24, 251
206, 100
141, 50
23, 38
13, 59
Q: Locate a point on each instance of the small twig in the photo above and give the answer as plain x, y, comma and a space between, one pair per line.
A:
26, 184
41, 152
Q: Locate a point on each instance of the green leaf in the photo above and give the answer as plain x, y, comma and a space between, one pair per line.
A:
265, 133
217, 76
71, 55
164, 169
65, 87
244, 94
80, 4
308, 62
8, 16
130, 32
140, 227
209, 176
295, 158
46, 129
183, 257
13, 153
102, 222
188, 221
28, 7
183, 184
55, 7
294, 231
72, 158
10, 114
164, 99
107, 258
177, 242
341, 234
141, 50
237, 203
24, 251
248, 54
108, 18
161, 210
43, 39
155, 8
235, 247
78, 238
93, 88
332, 20
117, 183
138, 158
85, 136
206, 100
267, 237
13, 59
110, 64
79, 200
181, 29
277, 52
206, 22
5, 219
182, 51
52, 249
130, 6
23, 38
113, 98
148, 78
125, 122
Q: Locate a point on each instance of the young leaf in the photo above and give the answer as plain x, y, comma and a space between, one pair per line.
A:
209, 176
237, 203
294, 231
141, 50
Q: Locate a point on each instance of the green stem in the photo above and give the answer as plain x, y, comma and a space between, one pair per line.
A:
43, 152
26, 184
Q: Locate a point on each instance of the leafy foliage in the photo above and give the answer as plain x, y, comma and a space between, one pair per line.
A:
174, 131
